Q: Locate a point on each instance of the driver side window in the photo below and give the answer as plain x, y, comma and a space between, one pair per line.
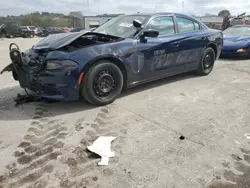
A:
164, 24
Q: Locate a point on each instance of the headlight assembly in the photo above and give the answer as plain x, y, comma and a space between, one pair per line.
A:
241, 50
61, 64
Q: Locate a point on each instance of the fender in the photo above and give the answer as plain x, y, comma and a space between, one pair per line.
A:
117, 60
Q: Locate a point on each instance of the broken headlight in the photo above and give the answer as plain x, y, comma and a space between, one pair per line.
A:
61, 64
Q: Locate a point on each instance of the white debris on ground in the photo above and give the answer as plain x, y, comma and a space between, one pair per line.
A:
247, 135
101, 147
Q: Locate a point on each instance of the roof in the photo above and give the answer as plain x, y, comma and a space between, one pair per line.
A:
157, 13
108, 15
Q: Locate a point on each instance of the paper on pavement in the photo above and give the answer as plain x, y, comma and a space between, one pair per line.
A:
101, 146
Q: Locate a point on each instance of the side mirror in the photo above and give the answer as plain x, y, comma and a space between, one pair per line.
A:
137, 23
150, 33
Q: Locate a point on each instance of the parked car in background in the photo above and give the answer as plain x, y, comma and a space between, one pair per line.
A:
50, 30
77, 29
12, 30
236, 41
66, 29
126, 51
2, 31
29, 28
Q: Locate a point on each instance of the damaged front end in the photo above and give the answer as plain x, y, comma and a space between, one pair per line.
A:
47, 69
29, 69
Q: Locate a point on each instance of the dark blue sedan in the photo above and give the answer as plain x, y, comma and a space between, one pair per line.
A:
236, 41
124, 52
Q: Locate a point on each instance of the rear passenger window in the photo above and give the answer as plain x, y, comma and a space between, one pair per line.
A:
186, 25
196, 26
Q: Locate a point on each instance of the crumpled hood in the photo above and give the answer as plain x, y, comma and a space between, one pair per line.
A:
236, 41
56, 41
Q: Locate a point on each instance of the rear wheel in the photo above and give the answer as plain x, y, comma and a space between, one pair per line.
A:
26, 35
207, 62
102, 84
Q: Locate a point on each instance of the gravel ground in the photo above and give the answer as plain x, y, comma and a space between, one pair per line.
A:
44, 144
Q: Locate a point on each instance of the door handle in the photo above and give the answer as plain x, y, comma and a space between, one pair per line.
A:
203, 38
176, 43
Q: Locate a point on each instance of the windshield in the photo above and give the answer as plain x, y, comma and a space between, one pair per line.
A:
121, 26
237, 31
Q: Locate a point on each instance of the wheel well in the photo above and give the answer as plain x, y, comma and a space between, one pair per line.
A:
213, 46
116, 62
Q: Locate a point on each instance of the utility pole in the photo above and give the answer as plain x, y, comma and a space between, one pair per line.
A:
182, 6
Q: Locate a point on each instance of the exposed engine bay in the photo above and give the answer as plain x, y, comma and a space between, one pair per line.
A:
35, 57
89, 39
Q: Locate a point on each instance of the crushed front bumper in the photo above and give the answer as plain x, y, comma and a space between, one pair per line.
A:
45, 84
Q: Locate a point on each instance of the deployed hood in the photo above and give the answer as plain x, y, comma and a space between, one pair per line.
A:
237, 41
56, 41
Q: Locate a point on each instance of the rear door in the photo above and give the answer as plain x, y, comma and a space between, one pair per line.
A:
16, 29
190, 44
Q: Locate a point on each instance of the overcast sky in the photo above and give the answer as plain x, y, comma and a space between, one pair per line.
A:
93, 7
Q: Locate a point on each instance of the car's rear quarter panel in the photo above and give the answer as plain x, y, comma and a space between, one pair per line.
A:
215, 37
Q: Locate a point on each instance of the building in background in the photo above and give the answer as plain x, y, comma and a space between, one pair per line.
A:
76, 21
90, 22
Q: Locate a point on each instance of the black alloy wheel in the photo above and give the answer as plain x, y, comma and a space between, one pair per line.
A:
207, 62
102, 83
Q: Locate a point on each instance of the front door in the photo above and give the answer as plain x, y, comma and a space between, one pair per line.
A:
158, 53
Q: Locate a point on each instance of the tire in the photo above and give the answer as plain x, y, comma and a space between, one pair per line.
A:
207, 62
32, 35
102, 83
26, 35
10, 36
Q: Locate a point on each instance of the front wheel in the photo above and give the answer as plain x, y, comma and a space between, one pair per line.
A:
207, 62
102, 84
32, 35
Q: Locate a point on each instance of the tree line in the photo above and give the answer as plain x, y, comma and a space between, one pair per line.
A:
46, 19
43, 19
